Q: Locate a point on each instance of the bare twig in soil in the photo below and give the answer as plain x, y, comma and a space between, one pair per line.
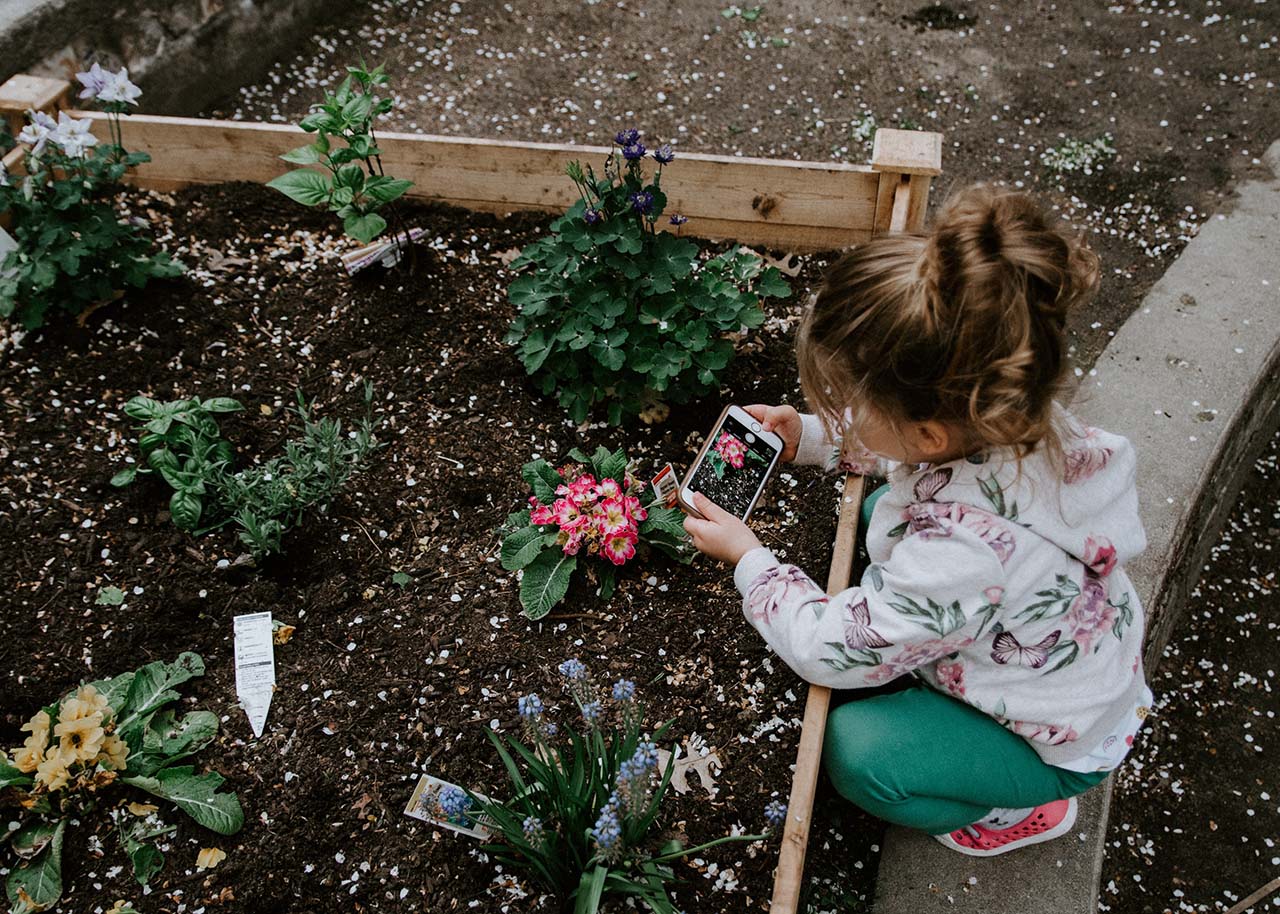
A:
1256, 896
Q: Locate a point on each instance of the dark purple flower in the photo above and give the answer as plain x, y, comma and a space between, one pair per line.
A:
677, 219
591, 216
634, 152
664, 154
641, 201
628, 137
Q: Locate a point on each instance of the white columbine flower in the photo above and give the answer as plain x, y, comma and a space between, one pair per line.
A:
118, 88
73, 135
38, 132
94, 81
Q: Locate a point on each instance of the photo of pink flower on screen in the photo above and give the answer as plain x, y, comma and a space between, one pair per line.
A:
730, 451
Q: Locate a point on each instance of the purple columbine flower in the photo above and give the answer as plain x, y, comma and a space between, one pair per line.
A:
94, 81
775, 813
38, 132
628, 137
573, 669
641, 202
624, 690
118, 88
664, 154
592, 216
634, 152
677, 219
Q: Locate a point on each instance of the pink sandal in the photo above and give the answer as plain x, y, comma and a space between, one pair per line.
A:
1052, 820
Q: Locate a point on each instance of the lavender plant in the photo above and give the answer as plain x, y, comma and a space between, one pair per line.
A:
584, 804
356, 187
615, 312
181, 442
74, 248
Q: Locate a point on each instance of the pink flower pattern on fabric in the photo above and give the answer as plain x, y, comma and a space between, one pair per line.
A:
951, 677
1086, 460
776, 587
925, 519
1099, 555
914, 656
1049, 734
1091, 614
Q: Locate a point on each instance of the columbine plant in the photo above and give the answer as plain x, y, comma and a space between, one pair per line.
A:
617, 312
181, 442
583, 805
74, 250
595, 506
78, 749
356, 187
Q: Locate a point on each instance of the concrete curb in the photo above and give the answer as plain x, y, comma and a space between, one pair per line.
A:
1193, 379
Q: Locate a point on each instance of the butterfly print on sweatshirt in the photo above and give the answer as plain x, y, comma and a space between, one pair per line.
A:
1005, 647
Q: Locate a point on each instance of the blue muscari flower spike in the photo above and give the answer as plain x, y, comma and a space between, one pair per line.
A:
591, 216
573, 669
607, 832
454, 802
529, 705
775, 813
532, 827
634, 153
677, 219
627, 137
624, 690
664, 154
641, 201
591, 711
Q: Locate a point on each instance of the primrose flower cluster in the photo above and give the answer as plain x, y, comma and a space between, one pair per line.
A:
79, 750
731, 450
603, 516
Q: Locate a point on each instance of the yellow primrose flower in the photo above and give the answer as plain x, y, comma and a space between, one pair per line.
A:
115, 753
86, 702
28, 758
32, 752
52, 772
80, 740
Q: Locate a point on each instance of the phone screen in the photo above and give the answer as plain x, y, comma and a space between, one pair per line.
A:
734, 467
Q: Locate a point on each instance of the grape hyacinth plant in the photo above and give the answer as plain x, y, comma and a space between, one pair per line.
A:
584, 809
102, 735
619, 313
75, 249
356, 187
595, 508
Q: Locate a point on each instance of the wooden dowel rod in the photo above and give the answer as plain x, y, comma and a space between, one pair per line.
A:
795, 835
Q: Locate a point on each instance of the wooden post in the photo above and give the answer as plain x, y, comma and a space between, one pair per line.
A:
22, 93
902, 201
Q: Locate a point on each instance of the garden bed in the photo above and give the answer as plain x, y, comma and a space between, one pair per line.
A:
381, 681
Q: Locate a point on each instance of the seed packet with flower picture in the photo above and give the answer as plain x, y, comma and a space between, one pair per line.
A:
448, 806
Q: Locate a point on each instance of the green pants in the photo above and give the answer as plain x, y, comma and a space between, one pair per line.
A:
922, 759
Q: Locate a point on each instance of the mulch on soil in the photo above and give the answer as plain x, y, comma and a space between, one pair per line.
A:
380, 682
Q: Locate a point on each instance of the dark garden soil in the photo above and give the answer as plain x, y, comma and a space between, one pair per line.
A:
1195, 818
1189, 93
380, 682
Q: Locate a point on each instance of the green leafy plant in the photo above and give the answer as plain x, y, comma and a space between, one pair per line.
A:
105, 733
617, 313
355, 186
181, 442
74, 248
585, 801
1085, 156
594, 507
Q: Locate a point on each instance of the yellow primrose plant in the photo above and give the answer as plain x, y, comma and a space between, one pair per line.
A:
105, 733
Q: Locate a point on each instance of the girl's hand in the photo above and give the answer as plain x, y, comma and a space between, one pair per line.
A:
718, 533
784, 422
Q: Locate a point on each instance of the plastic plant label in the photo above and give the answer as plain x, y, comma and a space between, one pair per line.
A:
383, 252
424, 804
665, 485
255, 667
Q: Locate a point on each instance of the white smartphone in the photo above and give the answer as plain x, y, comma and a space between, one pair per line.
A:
734, 464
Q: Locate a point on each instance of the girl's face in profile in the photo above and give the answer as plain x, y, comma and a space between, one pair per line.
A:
929, 441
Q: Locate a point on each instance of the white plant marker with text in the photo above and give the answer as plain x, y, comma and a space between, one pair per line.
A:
255, 667
7, 243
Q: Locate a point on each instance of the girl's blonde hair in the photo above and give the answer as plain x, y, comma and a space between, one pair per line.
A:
964, 324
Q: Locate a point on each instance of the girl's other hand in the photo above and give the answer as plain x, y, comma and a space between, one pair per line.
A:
783, 421
718, 533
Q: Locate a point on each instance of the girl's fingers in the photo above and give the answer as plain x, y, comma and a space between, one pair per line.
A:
709, 509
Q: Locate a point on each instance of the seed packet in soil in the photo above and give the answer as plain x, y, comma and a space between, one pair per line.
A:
665, 486
425, 804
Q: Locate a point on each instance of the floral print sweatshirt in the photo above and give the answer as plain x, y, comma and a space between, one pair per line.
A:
1000, 585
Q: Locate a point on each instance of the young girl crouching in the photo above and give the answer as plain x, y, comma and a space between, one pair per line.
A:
996, 551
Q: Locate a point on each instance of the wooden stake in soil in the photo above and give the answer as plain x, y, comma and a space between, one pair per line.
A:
795, 836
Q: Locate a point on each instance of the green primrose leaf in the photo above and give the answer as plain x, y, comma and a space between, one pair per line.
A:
401, 579
110, 596
546, 581
196, 795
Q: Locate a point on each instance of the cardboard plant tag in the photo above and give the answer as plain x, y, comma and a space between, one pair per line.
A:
424, 804
255, 667
379, 251
665, 485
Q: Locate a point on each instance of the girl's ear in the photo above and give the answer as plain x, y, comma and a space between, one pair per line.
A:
935, 440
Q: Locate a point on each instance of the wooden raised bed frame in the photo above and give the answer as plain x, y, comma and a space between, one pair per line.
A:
774, 203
